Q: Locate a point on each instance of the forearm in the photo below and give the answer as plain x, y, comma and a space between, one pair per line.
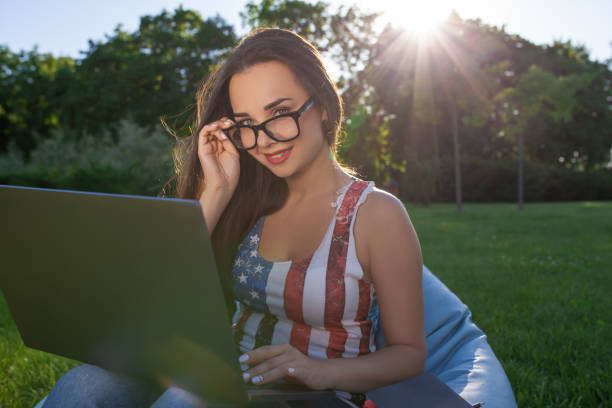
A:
389, 365
213, 203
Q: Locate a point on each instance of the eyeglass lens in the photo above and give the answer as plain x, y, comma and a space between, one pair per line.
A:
282, 128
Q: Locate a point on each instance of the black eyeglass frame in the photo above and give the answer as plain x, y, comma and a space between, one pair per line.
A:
262, 126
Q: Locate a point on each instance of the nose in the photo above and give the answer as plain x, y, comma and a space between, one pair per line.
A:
263, 140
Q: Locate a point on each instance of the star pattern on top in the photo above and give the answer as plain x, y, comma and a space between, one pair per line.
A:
254, 239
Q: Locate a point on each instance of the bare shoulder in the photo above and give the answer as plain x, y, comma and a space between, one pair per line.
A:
381, 207
383, 230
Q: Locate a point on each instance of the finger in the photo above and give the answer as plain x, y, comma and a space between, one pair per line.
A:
208, 149
225, 144
219, 126
213, 140
206, 140
268, 365
225, 122
217, 130
285, 370
263, 353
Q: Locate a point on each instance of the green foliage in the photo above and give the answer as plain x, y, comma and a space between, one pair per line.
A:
409, 91
495, 180
151, 73
137, 162
499, 85
365, 142
346, 34
307, 19
148, 74
29, 85
539, 93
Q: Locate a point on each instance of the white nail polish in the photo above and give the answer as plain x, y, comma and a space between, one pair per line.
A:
257, 379
246, 376
291, 370
243, 358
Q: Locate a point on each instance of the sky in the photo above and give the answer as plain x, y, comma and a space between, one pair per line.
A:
63, 27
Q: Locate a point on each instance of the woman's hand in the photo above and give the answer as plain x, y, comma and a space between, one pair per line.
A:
271, 363
219, 159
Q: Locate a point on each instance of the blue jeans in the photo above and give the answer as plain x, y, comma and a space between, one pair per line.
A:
88, 386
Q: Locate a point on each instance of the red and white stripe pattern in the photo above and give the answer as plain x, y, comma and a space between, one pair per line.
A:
319, 304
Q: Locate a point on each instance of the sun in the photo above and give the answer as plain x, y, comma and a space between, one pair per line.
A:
421, 19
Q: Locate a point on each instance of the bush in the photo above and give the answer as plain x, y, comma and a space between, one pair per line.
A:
137, 161
488, 180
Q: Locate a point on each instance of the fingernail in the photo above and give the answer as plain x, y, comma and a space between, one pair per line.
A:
243, 358
246, 376
257, 379
228, 122
291, 370
223, 136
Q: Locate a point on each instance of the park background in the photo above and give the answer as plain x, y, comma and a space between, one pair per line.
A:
451, 119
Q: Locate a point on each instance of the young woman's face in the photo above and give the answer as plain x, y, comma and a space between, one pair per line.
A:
265, 90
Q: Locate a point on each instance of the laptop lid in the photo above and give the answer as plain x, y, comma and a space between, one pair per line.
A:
128, 283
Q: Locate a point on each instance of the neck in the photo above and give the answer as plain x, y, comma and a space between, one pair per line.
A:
322, 176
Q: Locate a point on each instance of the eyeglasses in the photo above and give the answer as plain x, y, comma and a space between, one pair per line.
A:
281, 128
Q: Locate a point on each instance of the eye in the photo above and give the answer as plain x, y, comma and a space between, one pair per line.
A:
280, 111
245, 122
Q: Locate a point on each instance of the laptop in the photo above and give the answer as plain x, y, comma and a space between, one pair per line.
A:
127, 283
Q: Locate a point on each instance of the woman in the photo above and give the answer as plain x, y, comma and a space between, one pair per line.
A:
309, 249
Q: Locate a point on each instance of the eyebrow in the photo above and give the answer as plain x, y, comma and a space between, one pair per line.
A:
267, 107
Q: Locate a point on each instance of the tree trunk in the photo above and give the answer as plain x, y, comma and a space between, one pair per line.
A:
453, 105
520, 172
435, 170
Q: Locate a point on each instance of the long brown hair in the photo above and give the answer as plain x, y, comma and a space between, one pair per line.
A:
259, 191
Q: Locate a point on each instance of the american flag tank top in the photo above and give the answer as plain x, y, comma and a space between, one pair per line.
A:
318, 304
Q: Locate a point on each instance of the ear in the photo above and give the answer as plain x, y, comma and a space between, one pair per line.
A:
323, 115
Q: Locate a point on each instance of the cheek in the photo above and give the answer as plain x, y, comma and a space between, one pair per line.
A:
315, 134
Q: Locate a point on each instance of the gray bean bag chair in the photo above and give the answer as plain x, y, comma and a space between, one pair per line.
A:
457, 353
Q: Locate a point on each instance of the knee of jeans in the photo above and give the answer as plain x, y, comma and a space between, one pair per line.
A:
85, 381
91, 384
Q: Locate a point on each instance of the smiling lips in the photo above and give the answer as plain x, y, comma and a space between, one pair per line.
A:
278, 157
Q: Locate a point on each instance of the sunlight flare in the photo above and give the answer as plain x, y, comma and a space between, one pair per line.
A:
423, 20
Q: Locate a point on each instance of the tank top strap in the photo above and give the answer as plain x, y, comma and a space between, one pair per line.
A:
338, 261
352, 198
340, 237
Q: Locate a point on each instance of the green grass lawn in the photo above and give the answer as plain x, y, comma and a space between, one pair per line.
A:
538, 283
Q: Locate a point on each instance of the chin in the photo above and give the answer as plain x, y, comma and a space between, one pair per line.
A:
281, 172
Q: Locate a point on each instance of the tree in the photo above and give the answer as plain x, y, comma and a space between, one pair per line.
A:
422, 84
538, 93
150, 73
346, 35
30, 85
